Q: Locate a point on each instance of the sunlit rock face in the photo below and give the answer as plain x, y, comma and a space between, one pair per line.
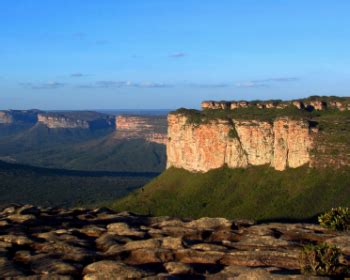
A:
18, 116
5, 117
76, 119
293, 142
150, 128
201, 147
310, 104
62, 122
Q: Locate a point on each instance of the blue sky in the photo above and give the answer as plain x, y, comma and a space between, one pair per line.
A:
134, 54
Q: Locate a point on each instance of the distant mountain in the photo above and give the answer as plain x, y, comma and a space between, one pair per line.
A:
83, 140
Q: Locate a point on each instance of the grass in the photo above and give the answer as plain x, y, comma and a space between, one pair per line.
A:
336, 219
323, 260
258, 193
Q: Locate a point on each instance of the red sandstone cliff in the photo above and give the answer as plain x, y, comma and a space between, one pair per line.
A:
284, 143
312, 103
150, 128
5, 118
61, 122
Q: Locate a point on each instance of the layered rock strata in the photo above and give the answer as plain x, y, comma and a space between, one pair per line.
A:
237, 143
5, 117
18, 116
62, 122
54, 243
150, 128
317, 104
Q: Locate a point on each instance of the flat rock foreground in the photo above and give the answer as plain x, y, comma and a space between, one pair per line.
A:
54, 243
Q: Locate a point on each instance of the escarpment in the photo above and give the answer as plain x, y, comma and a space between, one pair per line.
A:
18, 116
281, 134
318, 103
150, 128
238, 143
82, 120
61, 122
5, 118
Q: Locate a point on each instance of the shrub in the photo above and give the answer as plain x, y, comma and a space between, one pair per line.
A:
336, 219
322, 260
233, 133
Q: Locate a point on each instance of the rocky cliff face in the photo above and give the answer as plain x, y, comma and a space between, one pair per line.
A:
5, 118
152, 129
317, 103
18, 116
238, 143
62, 122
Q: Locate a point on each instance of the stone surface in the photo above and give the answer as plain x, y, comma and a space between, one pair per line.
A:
316, 103
101, 244
111, 270
5, 117
202, 147
61, 122
150, 128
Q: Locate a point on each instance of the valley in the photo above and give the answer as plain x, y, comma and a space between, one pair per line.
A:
77, 157
84, 141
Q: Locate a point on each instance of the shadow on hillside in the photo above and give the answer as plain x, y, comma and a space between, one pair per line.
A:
79, 173
312, 219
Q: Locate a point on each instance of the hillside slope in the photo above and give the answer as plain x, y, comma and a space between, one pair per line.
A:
256, 192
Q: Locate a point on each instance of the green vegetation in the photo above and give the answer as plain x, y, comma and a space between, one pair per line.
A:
336, 219
254, 113
58, 187
249, 113
233, 133
256, 192
333, 141
323, 260
325, 98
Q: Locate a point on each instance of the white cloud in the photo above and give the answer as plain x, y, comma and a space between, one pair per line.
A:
251, 84
47, 85
177, 55
77, 75
124, 84
265, 82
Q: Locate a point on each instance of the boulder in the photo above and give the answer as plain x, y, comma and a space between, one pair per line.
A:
109, 270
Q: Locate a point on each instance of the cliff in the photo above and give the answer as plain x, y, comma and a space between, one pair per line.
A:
150, 128
61, 122
18, 116
82, 120
237, 143
318, 103
281, 134
5, 117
